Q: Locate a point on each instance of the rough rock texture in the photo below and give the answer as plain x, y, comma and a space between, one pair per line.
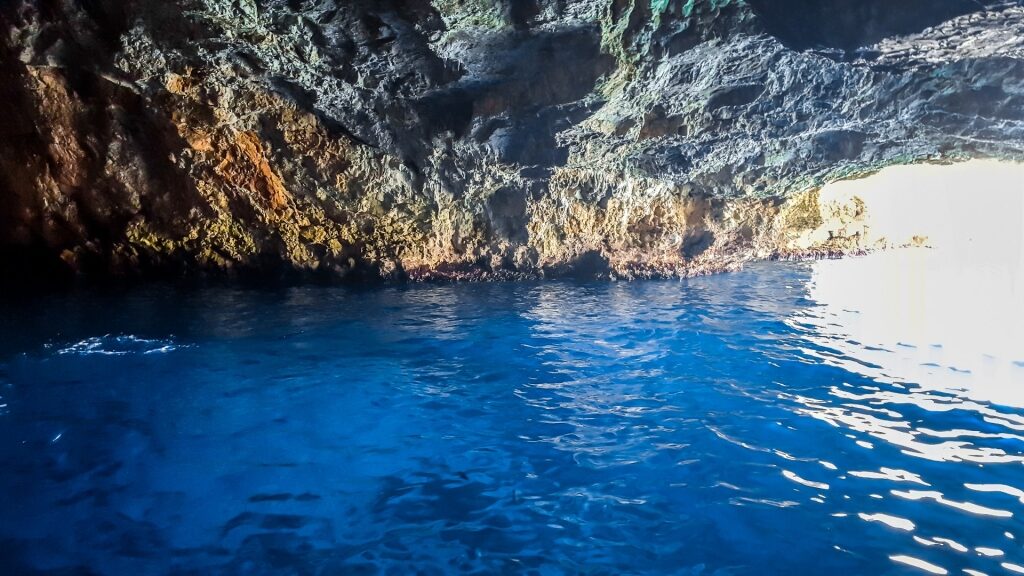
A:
475, 138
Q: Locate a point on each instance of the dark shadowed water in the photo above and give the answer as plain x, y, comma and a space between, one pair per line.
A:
725, 425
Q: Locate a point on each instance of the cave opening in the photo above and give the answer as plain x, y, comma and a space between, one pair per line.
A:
972, 210
950, 316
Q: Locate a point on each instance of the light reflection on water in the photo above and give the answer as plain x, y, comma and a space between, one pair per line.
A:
918, 316
937, 331
769, 421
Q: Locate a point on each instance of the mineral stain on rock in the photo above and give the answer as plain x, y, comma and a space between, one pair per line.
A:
475, 139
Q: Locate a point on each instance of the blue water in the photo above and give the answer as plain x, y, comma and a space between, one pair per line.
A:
714, 426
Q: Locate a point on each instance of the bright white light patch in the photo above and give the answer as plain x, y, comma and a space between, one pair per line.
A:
891, 521
918, 563
949, 318
793, 477
971, 208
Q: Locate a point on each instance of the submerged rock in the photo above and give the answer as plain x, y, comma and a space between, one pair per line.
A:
476, 138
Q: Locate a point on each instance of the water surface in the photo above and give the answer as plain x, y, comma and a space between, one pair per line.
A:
768, 421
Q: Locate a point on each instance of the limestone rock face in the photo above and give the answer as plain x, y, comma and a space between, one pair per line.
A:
475, 138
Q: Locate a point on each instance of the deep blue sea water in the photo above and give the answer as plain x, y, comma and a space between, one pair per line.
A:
732, 424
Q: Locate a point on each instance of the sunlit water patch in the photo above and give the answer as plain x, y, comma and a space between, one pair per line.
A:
768, 421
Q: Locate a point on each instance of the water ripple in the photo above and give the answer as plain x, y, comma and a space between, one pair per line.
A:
741, 424
119, 345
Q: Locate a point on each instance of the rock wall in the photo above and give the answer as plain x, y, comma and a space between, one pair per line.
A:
475, 138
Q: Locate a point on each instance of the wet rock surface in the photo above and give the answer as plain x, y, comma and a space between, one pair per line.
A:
474, 139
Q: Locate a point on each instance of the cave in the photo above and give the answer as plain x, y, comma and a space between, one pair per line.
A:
322, 141
546, 287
